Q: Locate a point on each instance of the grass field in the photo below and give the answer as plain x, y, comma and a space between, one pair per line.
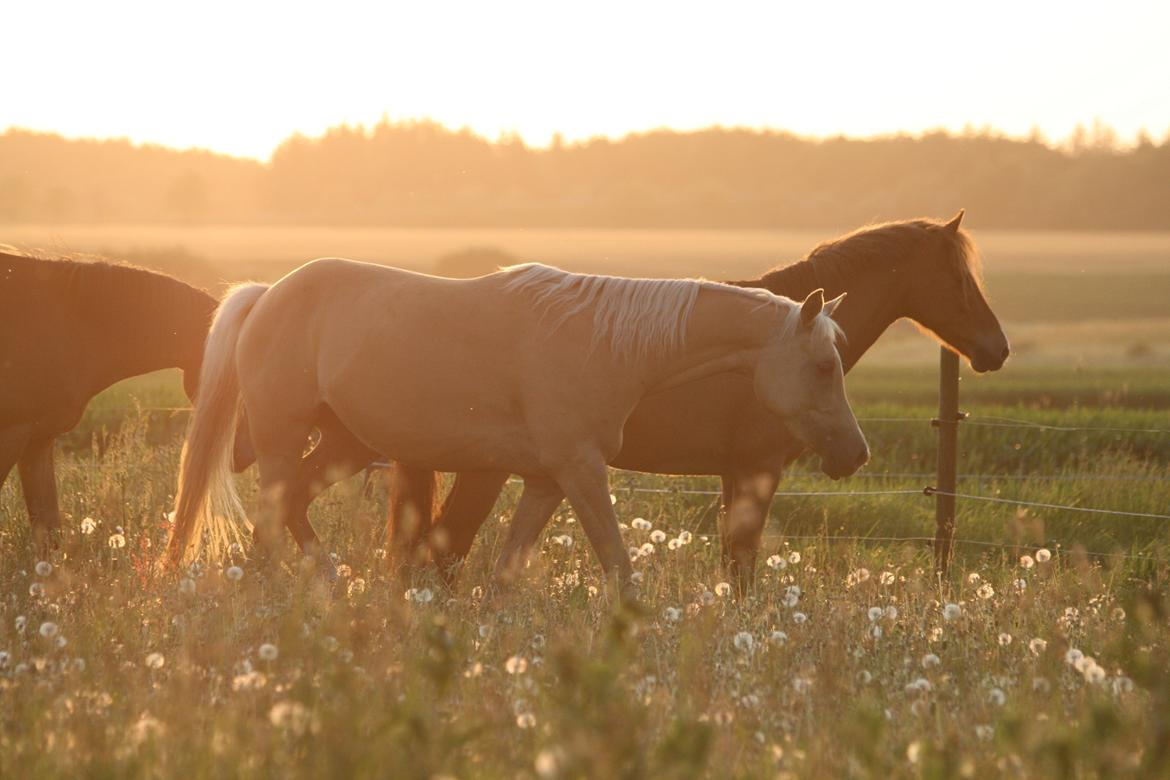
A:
110, 670
1044, 652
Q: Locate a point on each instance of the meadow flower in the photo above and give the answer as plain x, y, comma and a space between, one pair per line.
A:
672, 614
548, 764
723, 589
1119, 685
919, 685
952, 611
1037, 645
799, 618
1043, 555
249, 681
44, 568
612, 499
914, 752
155, 660
875, 613
356, 587
646, 550
674, 544
116, 541
4, 659
864, 677
484, 631
892, 612
930, 660
1027, 561
517, 664
791, 596
778, 637
1117, 614
48, 629
1020, 585
640, 524
744, 642
1073, 656
1005, 639
985, 591
234, 573
20, 623
187, 586
538, 641
984, 732
685, 537
776, 562
707, 598
88, 526
857, 577
36, 590
657, 536
996, 697
886, 578
1093, 673
292, 716
794, 557
564, 540
526, 720
60, 641
973, 577
267, 652
419, 595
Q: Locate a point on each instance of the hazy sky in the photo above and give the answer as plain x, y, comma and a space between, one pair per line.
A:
241, 76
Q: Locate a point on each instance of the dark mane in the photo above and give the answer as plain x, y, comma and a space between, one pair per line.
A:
840, 259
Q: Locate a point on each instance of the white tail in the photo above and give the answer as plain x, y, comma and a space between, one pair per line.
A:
207, 507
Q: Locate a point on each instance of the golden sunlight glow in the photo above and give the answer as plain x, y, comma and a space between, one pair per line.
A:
240, 77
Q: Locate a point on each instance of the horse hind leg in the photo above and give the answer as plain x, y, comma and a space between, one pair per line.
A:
39, 484
279, 442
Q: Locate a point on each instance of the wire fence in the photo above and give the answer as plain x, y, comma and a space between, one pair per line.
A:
967, 420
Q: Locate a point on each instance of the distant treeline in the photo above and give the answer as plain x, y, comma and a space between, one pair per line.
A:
421, 174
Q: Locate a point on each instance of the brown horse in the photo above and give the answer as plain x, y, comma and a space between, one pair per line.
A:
69, 329
923, 270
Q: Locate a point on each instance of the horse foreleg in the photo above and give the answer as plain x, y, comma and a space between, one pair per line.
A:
464, 511
12, 443
539, 500
587, 489
39, 484
743, 523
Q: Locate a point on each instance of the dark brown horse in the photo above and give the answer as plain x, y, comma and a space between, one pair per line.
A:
923, 270
69, 329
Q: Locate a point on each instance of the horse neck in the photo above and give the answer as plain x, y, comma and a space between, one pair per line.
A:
147, 323
875, 299
725, 332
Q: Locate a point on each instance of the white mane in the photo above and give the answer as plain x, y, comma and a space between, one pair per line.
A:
636, 317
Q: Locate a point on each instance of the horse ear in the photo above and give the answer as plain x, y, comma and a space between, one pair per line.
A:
813, 305
953, 225
831, 306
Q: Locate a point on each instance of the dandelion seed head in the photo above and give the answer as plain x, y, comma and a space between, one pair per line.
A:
516, 664
234, 573
640, 524
1027, 561
1043, 555
267, 652
744, 642
985, 591
1037, 645
723, 589
48, 629
1005, 639
930, 660
44, 568
88, 526
657, 536
155, 660
952, 611
116, 541
777, 562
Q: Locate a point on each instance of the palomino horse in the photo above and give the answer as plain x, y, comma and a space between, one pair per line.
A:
69, 329
923, 270
531, 370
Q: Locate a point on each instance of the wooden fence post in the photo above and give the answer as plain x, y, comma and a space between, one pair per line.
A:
948, 456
